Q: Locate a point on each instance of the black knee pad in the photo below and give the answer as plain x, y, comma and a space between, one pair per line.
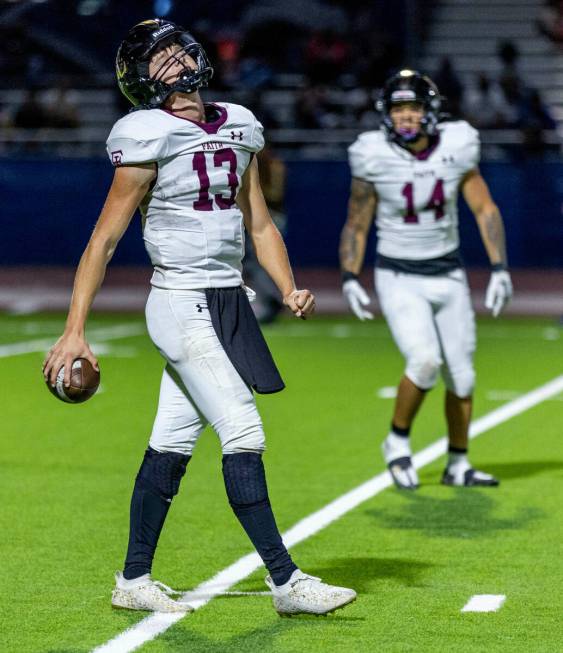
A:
161, 473
245, 480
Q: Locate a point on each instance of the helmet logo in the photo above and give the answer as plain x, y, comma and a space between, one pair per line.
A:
163, 30
403, 95
121, 69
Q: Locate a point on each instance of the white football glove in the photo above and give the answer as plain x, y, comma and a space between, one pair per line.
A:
499, 291
251, 294
357, 298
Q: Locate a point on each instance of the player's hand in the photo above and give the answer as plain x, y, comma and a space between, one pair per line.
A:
301, 303
357, 299
65, 351
499, 291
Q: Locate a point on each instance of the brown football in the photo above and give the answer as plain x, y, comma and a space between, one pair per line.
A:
84, 381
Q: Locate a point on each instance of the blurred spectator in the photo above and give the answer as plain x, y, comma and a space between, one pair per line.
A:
508, 55
535, 120
361, 103
327, 54
5, 117
14, 53
550, 20
375, 59
311, 107
62, 106
513, 94
276, 43
484, 105
31, 114
450, 87
536, 114
224, 55
255, 73
319, 107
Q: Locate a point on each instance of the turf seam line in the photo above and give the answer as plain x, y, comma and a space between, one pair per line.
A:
157, 623
43, 344
484, 603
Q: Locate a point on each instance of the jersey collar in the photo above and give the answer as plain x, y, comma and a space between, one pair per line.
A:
423, 155
211, 127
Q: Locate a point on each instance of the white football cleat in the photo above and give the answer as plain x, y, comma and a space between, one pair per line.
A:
468, 477
397, 454
304, 594
143, 593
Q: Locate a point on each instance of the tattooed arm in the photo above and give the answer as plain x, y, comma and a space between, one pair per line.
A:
486, 212
361, 207
477, 196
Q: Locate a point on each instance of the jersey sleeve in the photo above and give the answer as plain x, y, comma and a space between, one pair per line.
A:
360, 157
257, 136
472, 148
134, 140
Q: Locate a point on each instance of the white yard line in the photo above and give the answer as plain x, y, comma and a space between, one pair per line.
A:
43, 344
484, 603
152, 626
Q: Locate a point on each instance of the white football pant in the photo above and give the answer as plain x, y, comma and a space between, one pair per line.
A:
432, 322
199, 386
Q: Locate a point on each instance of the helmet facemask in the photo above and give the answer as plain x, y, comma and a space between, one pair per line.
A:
188, 79
146, 91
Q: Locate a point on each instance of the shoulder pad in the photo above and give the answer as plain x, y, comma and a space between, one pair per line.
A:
138, 137
464, 138
364, 152
239, 116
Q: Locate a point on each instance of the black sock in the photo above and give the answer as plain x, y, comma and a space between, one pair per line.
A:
156, 484
245, 482
457, 450
397, 430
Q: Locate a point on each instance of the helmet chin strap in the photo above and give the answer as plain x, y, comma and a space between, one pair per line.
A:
409, 140
409, 136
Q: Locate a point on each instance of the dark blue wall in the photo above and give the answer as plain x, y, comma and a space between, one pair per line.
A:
49, 208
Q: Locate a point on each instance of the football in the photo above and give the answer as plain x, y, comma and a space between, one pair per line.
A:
84, 381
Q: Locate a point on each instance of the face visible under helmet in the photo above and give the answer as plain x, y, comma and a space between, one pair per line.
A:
410, 86
134, 55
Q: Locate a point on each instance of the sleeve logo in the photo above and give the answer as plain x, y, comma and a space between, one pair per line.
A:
116, 157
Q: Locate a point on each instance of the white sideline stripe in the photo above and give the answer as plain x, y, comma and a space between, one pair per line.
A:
43, 344
484, 603
152, 626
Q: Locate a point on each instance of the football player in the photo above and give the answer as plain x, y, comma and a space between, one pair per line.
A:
408, 174
191, 167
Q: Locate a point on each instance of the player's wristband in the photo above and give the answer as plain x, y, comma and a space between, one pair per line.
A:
348, 276
498, 267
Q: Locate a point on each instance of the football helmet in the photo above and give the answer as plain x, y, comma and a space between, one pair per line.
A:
134, 55
410, 86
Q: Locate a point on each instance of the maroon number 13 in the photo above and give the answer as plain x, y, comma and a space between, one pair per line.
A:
199, 164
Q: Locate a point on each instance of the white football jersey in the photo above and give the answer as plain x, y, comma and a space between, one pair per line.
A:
417, 216
192, 228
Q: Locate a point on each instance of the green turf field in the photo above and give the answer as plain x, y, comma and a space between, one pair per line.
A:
415, 559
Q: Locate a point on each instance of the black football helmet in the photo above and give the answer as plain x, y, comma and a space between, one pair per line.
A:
410, 86
135, 52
